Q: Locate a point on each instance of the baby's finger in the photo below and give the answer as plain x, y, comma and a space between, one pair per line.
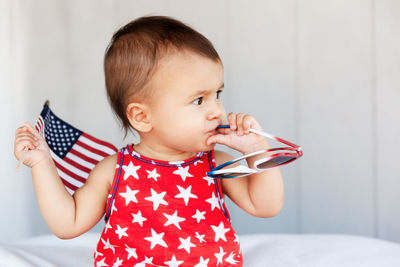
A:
25, 142
19, 150
21, 130
232, 120
239, 122
26, 138
248, 122
33, 131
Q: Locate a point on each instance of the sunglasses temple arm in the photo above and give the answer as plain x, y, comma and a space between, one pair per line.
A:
298, 148
274, 137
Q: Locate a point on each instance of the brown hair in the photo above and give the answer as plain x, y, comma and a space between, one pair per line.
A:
134, 51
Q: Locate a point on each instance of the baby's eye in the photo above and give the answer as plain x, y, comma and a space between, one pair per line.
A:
218, 94
198, 101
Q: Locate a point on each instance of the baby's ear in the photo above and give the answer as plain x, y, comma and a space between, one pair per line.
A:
138, 116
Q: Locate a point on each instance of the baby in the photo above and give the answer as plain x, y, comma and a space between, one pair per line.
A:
164, 80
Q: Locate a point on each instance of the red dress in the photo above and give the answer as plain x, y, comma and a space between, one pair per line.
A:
162, 213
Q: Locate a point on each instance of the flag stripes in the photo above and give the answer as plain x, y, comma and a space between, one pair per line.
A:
75, 153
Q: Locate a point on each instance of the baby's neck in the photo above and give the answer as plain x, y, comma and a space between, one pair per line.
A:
163, 154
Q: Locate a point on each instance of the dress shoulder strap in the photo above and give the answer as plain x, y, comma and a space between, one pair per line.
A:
218, 189
115, 187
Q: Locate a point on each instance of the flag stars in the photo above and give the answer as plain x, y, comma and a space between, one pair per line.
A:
186, 194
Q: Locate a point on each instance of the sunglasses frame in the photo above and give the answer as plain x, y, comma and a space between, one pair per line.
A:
246, 170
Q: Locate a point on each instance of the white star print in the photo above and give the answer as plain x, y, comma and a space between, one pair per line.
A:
107, 245
202, 263
219, 255
153, 174
173, 262
117, 263
131, 252
236, 238
137, 218
129, 195
101, 263
148, 260
186, 194
199, 215
130, 170
186, 244
121, 231
143, 263
183, 172
200, 237
213, 200
198, 161
220, 231
157, 199
230, 259
209, 180
156, 239
108, 226
96, 254
174, 219
113, 208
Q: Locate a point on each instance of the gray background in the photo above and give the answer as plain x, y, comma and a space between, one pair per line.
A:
323, 74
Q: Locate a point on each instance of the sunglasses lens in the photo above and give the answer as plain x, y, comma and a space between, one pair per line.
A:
275, 162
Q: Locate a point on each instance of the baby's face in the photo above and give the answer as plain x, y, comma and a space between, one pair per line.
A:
186, 107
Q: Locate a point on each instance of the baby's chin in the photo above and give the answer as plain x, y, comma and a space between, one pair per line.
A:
208, 147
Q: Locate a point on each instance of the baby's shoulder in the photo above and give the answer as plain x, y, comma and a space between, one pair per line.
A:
105, 169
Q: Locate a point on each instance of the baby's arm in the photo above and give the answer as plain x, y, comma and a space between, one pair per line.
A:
260, 194
67, 216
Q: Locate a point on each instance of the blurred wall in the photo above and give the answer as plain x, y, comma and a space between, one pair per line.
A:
323, 74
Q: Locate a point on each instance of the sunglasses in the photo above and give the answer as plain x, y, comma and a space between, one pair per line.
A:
279, 157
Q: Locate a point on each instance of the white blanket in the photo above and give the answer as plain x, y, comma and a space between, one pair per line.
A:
258, 251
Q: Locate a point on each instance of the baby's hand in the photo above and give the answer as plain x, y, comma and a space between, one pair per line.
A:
37, 149
238, 135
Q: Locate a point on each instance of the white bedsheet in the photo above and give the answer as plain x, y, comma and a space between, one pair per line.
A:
258, 251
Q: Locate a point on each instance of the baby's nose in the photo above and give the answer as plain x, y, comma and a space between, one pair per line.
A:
216, 112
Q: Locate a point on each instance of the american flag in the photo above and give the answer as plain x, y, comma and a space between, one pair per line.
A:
75, 153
